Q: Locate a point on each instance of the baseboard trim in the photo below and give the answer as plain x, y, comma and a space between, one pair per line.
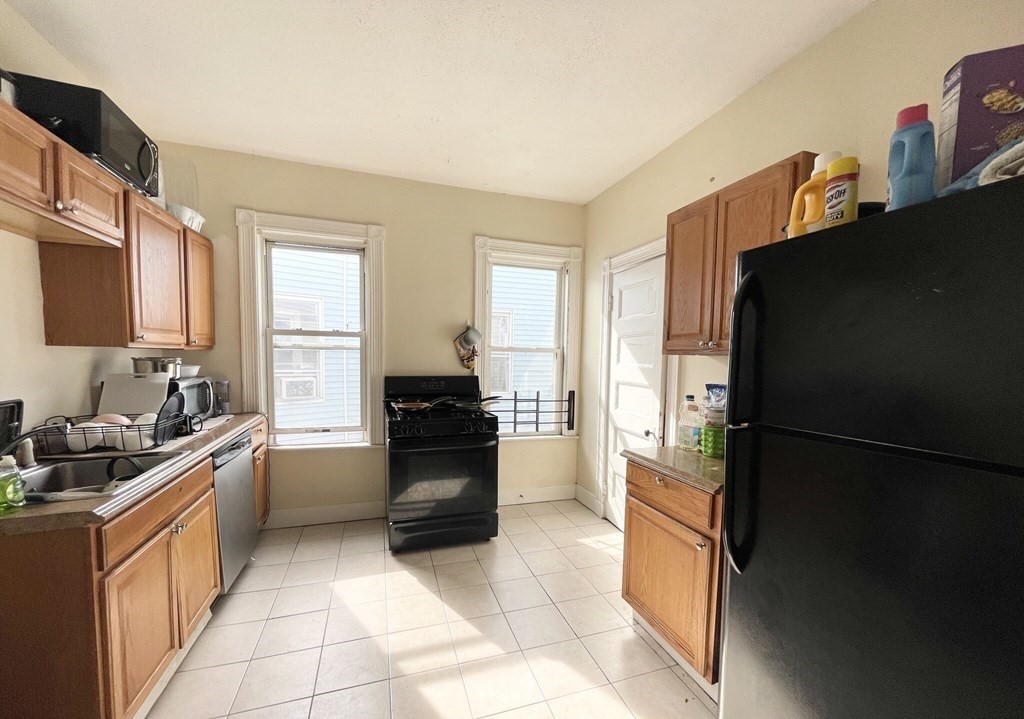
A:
551, 493
590, 500
302, 516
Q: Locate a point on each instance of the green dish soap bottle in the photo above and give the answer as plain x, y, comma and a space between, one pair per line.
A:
12, 486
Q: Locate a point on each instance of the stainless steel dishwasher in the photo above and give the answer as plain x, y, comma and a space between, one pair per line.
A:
236, 506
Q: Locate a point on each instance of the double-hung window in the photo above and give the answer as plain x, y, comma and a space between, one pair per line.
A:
528, 299
312, 328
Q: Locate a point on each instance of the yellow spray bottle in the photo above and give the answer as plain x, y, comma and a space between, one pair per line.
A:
808, 213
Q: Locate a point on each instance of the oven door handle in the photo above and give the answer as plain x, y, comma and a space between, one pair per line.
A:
444, 447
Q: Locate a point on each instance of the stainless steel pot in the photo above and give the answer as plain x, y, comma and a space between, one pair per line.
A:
146, 365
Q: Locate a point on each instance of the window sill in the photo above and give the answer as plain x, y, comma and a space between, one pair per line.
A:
534, 437
346, 445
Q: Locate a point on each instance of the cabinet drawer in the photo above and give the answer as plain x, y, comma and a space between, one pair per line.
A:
120, 536
674, 498
259, 435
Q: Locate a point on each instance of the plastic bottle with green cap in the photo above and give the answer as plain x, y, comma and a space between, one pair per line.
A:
12, 486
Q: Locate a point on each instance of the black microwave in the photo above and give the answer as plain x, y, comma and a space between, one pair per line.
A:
91, 123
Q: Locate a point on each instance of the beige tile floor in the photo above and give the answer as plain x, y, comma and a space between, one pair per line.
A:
326, 623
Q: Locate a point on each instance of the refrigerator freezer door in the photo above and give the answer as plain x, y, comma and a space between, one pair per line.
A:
876, 584
904, 328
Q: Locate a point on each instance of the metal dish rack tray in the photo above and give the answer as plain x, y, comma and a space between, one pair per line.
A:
62, 435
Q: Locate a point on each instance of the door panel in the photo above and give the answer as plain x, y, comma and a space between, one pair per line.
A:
196, 563
26, 159
88, 195
199, 275
667, 576
156, 256
261, 479
751, 213
869, 569
690, 277
141, 624
636, 372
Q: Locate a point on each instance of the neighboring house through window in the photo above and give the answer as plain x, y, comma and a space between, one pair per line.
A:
528, 312
312, 327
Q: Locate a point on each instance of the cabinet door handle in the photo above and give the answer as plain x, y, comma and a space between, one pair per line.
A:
702, 343
701, 546
658, 480
140, 338
195, 342
179, 528
711, 344
59, 205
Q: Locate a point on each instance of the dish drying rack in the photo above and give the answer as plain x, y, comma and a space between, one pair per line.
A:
61, 435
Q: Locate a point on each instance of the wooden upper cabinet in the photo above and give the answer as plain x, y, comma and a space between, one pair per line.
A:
156, 271
26, 160
196, 563
701, 281
689, 278
751, 213
667, 576
199, 290
87, 195
140, 624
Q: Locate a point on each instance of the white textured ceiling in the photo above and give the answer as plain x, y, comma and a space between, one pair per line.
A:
546, 98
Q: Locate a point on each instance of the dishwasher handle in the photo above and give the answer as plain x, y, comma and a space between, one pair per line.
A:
228, 453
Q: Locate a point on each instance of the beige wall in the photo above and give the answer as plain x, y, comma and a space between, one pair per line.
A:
841, 93
428, 286
51, 380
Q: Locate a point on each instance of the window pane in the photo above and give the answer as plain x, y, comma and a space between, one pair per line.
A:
316, 289
524, 306
319, 438
530, 373
317, 387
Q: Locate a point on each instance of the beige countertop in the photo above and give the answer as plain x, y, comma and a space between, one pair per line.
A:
80, 513
693, 468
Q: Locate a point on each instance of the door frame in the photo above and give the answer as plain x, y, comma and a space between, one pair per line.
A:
670, 363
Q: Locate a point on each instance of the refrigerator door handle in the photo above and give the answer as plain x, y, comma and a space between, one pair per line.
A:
748, 291
739, 554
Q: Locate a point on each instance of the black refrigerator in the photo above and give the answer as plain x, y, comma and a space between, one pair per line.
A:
874, 496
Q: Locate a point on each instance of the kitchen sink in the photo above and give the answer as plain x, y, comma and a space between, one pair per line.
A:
85, 478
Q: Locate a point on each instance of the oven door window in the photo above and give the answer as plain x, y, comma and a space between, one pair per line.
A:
442, 476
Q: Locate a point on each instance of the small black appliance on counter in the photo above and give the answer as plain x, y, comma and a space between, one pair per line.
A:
442, 462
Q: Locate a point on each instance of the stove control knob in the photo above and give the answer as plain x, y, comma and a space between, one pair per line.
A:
467, 428
481, 426
419, 429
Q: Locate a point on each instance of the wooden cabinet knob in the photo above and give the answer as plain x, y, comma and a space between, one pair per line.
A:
701, 546
659, 480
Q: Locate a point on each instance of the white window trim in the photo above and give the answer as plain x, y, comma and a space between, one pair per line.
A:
254, 230
490, 251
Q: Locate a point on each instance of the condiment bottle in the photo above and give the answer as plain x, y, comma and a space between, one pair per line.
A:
808, 212
841, 191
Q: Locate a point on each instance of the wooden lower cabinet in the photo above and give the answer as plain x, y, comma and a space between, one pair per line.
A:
98, 613
261, 478
671, 570
196, 563
141, 623
669, 578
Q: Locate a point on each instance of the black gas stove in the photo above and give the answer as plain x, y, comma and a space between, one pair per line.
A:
442, 462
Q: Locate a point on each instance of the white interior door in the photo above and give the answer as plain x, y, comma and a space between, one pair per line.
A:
635, 372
